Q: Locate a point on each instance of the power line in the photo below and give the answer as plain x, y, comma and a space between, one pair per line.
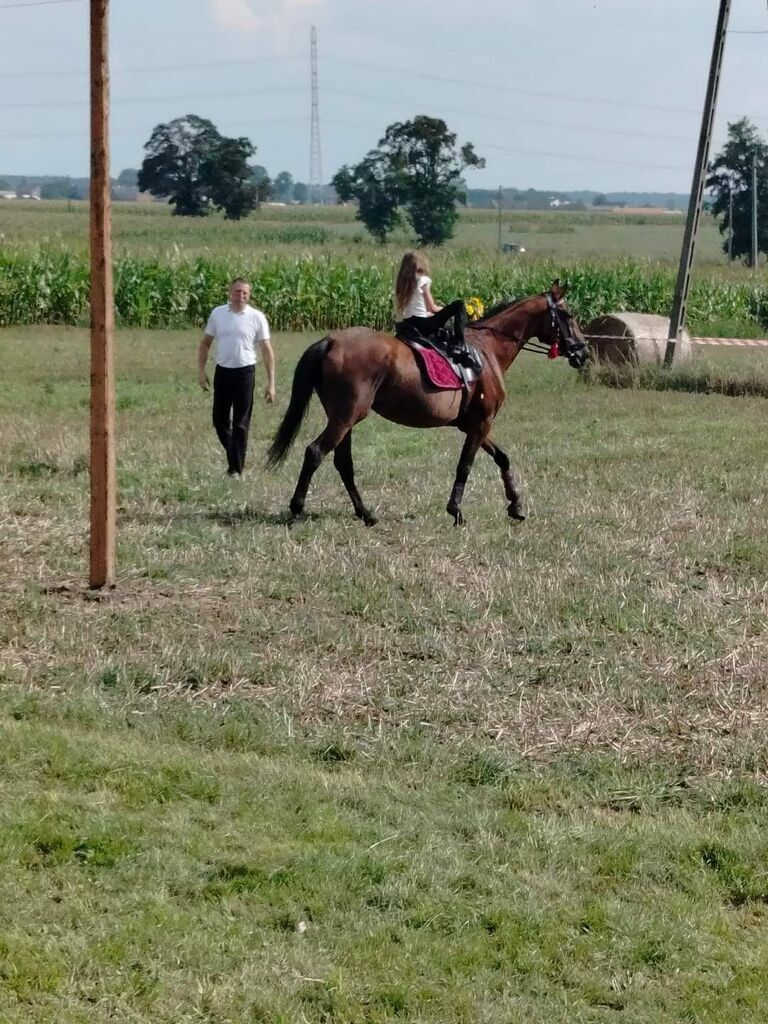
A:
38, 104
520, 120
564, 97
584, 159
151, 69
374, 67
556, 156
38, 3
561, 97
131, 131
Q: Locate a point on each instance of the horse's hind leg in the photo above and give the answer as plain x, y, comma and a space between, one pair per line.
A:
508, 477
342, 459
324, 443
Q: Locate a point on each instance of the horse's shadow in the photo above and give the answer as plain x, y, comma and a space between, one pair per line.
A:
225, 516
246, 514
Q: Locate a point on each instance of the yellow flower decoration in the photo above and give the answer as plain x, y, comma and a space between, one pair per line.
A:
474, 307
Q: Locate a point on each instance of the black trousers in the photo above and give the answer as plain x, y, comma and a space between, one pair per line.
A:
428, 324
232, 408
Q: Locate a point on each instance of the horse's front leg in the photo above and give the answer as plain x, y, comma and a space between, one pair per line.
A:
467, 457
508, 477
342, 459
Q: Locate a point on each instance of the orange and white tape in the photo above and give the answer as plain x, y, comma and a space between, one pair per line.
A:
740, 342
736, 342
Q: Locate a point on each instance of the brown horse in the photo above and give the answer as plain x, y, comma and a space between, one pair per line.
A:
358, 369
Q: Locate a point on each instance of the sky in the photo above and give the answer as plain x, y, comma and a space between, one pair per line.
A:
555, 94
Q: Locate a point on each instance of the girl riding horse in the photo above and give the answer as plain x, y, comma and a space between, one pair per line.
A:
359, 369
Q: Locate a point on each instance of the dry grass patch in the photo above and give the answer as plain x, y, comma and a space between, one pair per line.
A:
627, 616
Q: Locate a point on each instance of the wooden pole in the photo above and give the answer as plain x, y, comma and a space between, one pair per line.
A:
682, 286
755, 256
500, 200
102, 545
730, 220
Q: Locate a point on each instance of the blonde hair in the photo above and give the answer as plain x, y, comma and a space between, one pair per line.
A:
411, 266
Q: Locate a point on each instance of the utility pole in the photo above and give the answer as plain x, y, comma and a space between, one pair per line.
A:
755, 255
682, 286
730, 220
103, 486
499, 204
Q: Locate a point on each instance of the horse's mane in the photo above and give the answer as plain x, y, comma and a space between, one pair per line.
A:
493, 311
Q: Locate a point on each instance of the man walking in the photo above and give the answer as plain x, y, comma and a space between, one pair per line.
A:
240, 333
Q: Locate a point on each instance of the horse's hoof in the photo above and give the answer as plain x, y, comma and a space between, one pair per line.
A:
295, 517
458, 519
514, 513
369, 519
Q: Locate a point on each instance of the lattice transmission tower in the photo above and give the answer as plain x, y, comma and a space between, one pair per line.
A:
315, 163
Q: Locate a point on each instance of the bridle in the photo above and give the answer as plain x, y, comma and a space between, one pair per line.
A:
565, 343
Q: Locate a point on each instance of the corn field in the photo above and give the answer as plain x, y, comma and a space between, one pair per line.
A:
323, 292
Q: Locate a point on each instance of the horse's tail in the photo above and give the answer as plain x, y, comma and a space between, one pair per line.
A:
306, 377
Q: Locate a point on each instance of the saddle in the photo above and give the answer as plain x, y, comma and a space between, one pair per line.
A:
464, 361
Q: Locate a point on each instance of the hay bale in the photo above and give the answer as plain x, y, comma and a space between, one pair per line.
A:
633, 338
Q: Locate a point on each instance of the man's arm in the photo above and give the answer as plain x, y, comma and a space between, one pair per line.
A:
269, 366
202, 359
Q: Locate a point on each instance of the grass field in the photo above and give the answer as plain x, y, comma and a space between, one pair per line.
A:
142, 229
415, 773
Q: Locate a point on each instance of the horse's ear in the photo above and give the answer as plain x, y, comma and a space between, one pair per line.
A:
556, 291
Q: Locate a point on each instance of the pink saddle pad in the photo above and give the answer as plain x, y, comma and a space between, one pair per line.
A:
439, 371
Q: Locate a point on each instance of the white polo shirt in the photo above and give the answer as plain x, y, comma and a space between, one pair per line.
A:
237, 335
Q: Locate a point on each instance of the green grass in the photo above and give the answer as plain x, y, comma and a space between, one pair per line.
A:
736, 374
146, 230
418, 773
186, 872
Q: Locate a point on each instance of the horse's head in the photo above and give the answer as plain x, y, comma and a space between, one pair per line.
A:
563, 332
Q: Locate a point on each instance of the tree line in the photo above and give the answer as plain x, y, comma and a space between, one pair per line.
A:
414, 178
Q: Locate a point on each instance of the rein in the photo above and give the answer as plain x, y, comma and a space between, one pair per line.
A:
533, 345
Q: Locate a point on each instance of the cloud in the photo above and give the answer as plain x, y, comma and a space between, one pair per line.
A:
259, 15
235, 15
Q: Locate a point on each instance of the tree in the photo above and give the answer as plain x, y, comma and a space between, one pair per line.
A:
195, 167
300, 192
283, 186
378, 193
416, 168
226, 175
600, 200
58, 189
264, 184
176, 153
731, 173
128, 178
